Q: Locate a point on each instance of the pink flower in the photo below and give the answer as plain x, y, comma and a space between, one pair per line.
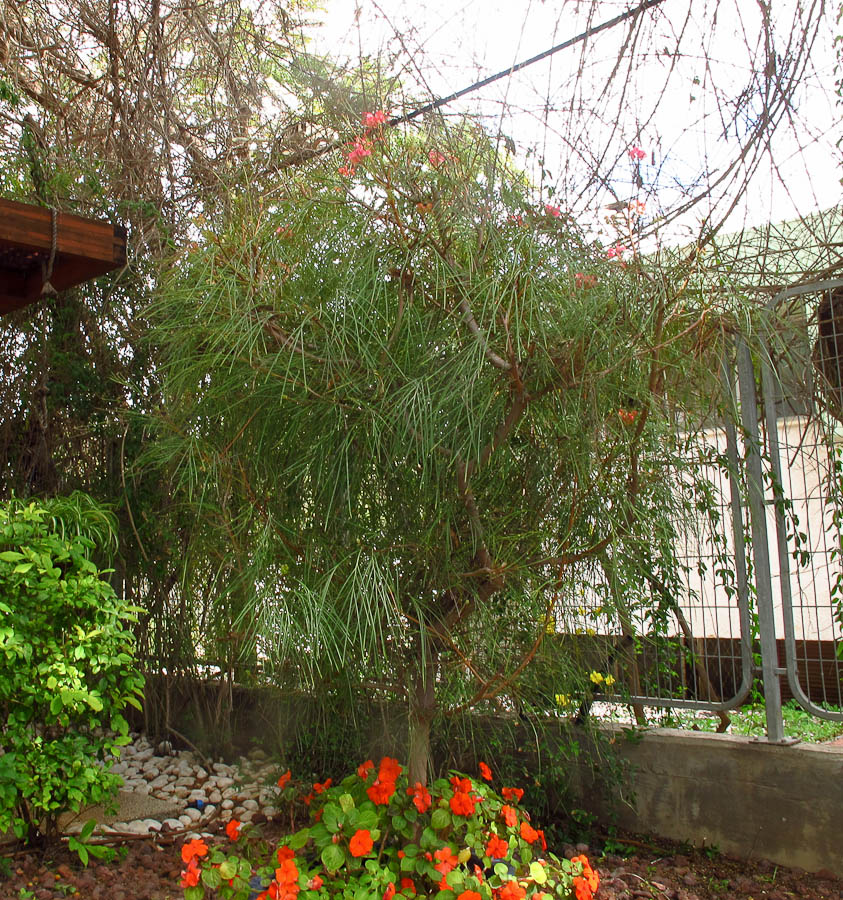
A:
616, 252
515, 219
636, 153
373, 120
554, 211
358, 152
435, 158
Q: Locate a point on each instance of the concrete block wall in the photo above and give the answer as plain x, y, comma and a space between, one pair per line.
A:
751, 799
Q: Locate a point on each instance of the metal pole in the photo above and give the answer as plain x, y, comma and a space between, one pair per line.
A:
760, 549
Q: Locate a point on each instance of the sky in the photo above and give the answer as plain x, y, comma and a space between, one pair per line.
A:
686, 86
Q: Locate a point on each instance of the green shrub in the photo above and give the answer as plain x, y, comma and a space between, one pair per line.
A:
66, 666
374, 836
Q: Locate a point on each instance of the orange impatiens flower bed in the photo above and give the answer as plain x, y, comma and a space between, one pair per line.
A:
376, 835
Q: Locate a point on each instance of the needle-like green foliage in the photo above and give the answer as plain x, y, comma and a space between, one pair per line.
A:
419, 407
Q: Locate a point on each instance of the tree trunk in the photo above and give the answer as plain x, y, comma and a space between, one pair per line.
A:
421, 713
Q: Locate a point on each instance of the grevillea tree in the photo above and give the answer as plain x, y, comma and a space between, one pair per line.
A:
423, 409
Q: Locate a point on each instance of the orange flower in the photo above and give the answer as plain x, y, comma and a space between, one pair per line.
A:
193, 849
315, 883
364, 768
190, 876
318, 788
421, 797
509, 816
287, 872
447, 861
233, 830
485, 771
380, 793
540, 833
407, 884
389, 769
497, 848
284, 853
462, 804
512, 890
361, 842
581, 889
529, 833
513, 794
282, 781
469, 895
461, 784
389, 893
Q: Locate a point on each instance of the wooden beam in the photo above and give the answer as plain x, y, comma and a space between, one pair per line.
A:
85, 249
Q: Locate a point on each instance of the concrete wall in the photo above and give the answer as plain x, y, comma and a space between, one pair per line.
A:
782, 803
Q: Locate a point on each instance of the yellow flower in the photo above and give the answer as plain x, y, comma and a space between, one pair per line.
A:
562, 699
609, 680
596, 677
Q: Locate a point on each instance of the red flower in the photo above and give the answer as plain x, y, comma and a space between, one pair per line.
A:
193, 849
389, 769
190, 876
360, 149
373, 120
628, 416
509, 816
462, 804
380, 793
461, 784
287, 872
233, 830
421, 797
447, 861
512, 890
389, 893
407, 884
361, 842
529, 833
513, 794
319, 788
315, 883
348, 171
497, 848
554, 211
282, 781
284, 853
636, 153
541, 838
585, 281
485, 771
364, 768
581, 889
592, 879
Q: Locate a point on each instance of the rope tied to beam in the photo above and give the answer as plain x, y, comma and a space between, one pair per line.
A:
47, 289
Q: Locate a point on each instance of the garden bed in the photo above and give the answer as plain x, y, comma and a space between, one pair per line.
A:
149, 869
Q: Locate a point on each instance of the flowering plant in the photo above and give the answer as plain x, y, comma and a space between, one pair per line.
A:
374, 835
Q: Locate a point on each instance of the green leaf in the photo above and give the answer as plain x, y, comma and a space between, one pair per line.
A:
441, 818
22, 568
299, 839
197, 892
11, 556
212, 878
228, 868
538, 873
333, 856
87, 829
347, 803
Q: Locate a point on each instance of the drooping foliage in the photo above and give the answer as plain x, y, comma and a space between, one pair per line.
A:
419, 408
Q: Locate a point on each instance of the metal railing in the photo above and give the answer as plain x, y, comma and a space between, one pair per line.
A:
762, 607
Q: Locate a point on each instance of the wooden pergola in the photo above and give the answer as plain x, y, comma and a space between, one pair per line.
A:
30, 236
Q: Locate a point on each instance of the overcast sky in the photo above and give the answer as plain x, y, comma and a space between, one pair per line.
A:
691, 110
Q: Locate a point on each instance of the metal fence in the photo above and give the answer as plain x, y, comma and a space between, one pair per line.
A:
762, 605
